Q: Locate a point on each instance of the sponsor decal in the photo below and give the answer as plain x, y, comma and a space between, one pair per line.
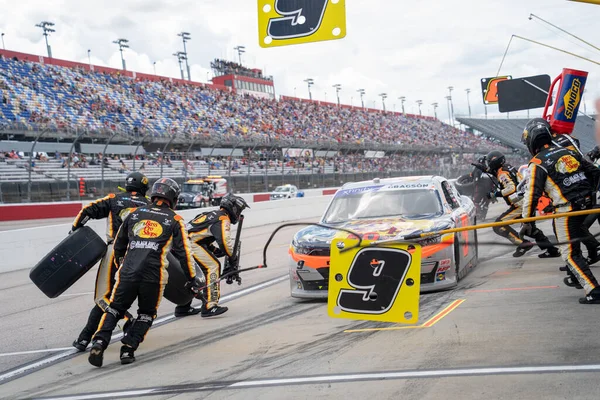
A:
446, 262
567, 164
347, 192
167, 222
147, 229
572, 98
199, 220
443, 269
125, 212
440, 277
571, 180
408, 186
143, 244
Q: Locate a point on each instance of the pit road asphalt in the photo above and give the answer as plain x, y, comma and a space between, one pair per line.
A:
510, 330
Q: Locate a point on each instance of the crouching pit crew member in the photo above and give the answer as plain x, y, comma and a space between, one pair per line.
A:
509, 178
205, 230
141, 248
114, 207
569, 180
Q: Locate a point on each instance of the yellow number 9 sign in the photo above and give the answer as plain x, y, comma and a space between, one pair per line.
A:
288, 22
374, 283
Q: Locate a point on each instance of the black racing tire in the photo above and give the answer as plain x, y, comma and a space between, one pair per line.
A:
68, 262
175, 290
465, 185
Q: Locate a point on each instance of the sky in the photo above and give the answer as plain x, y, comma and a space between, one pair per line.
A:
402, 48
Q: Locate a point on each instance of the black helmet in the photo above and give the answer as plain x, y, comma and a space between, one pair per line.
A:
167, 189
495, 160
536, 134
233, 206
136, 182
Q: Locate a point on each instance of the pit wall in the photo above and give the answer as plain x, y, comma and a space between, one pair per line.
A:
23, 248
29, 211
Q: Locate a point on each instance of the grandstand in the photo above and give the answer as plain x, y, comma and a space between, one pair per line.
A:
75, 112
509, 131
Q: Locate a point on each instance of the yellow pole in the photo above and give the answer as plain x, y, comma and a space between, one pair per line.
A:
596, 2
557, 49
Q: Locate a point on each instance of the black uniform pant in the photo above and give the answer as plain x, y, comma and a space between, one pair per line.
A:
515, 213
105, 281
124, 294
569, 229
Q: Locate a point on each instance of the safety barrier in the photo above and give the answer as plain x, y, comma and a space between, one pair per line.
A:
29, 211
23, 248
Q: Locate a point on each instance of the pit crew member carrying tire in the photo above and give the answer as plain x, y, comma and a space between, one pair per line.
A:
509, 178
204, 230
141, 248
114, 207
569, 180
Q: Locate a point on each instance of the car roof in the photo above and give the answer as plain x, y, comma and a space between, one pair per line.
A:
422, 179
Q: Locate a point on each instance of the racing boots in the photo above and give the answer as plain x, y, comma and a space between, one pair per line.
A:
592, 297
81, 344
127, 355
186, 310
552, 252
523, 248
213, 311
97, 353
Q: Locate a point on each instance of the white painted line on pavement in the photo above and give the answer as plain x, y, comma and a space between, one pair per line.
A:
322, 379
18, 353
51, 359
76, 294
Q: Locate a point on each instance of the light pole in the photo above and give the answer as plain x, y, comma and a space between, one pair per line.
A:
3, 46
450, 89
240, 51
154, 66
185, 36
44, 25
402, 100
419, 102
362, 92
180, 57
435, 106
448, 98
90, 58
468, 103
122, 43
309, 82
338, 87
383, 97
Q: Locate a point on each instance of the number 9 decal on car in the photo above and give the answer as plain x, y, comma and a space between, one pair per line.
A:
288, 22
375, 283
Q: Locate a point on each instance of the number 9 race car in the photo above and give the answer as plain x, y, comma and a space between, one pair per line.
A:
385, 209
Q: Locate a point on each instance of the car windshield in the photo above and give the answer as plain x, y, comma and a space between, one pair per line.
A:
408, 203
283, 189
193, 187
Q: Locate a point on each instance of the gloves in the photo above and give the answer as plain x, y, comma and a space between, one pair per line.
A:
495, 194
193, 285
217, 251
594, 154
529, 229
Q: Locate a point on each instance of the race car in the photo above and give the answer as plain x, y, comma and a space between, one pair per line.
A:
285, 192
383, 209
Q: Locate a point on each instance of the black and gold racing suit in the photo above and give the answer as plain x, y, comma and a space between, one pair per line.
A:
114, 207
205, 230
509, 178
143, 243
569, 180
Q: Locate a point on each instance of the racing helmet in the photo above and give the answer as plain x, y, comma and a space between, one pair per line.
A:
233, 206
167, 189
536, 134
136, 182
495, 160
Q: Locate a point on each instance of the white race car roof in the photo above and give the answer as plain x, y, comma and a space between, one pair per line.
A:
407, 182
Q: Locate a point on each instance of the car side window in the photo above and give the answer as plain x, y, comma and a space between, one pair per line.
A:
450, 197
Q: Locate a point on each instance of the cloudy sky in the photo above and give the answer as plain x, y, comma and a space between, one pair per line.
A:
402, 48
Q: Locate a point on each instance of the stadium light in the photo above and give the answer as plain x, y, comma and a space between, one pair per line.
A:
402, 99
468, 103
240, 50
383, 97
419, 102
449, 98
154, 66
44, 25
338, 87
362, 92
3, 46
185, 36
450, 89
122, 43
309, 82
90, 58
435, 106
180, 57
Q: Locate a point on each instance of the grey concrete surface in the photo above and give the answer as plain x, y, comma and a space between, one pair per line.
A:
516, 312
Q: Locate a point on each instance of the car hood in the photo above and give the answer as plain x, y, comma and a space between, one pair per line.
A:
384, 228
187, 196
